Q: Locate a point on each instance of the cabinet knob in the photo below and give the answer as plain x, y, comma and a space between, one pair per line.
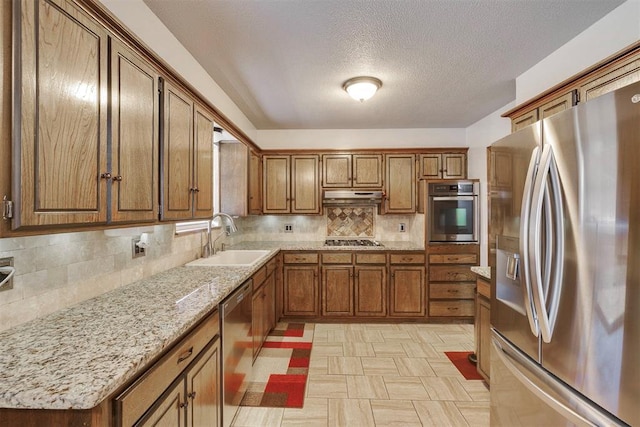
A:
117, 178
105, 175
196, 189
191, 395
184, 404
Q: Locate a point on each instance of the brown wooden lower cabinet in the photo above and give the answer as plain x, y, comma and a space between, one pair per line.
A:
370, 291
483, 327
337, 290
451, 282
301, 285
262, 308
407, 291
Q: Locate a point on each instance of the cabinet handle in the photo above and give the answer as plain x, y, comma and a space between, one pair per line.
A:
452, 308
196, 189
105, 175
453, 291
191, 395
184, 356
184, 404
117, 178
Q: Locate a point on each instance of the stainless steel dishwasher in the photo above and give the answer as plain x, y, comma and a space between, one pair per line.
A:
237, 349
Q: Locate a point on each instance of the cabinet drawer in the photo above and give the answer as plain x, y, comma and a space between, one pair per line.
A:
451, 308
301, 258
337, 258
258, 277
138, 397
272, 264
407, 259
441, 273
453, 259
484, 288
451, 290
371, 258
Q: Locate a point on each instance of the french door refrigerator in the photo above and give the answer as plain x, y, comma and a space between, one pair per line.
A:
565, 310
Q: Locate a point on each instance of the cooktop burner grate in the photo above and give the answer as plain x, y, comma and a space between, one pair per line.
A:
351, 242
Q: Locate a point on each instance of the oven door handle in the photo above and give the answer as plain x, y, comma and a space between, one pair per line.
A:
454, 198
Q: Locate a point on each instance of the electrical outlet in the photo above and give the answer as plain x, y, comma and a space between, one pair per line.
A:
401, 227
6, 262
137, 251
288, 228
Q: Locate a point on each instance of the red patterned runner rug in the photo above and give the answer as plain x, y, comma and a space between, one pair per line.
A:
280, 372
460, 360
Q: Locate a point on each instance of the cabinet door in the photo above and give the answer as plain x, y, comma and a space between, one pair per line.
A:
269, 307
257, 321
300, 290
500, 174
483, 327
304, 185
524, 120
336, 170
454, 166
408, 297
619, 75
276, 176
134, 130
203, 385
337, 291
255, 184
430, 166
401, 183
178, 154
367, 171
370, 291
168, 410
61, 147
203, 163
557, 105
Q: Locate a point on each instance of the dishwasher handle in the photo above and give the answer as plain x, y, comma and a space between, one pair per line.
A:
236, 297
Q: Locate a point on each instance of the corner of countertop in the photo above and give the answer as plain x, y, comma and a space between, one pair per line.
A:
483, 271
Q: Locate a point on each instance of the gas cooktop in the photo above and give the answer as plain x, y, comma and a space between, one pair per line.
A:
351, 242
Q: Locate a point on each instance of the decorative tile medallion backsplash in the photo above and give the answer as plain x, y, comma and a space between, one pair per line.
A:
350, 222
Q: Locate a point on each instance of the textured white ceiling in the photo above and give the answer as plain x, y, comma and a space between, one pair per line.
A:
443, 64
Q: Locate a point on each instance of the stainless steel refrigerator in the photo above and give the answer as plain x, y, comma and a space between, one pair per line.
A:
565, 222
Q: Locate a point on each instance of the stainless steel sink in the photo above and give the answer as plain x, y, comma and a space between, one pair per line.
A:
231, 258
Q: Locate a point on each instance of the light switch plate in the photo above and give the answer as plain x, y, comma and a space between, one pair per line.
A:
402, 227
137, 251
288, 228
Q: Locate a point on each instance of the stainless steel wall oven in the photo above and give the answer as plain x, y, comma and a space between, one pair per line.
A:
454, 212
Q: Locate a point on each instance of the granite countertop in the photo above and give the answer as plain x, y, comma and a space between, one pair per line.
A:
77, 357
319, 246
482, 271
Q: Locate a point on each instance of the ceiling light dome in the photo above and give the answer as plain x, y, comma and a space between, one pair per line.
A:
362, 88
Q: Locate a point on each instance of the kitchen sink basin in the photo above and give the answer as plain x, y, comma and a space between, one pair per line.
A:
232, 258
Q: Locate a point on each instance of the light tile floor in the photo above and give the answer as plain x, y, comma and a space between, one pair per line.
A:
383, 375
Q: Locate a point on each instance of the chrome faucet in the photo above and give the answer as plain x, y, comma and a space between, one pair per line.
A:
210, 247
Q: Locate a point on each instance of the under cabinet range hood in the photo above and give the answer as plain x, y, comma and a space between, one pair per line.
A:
352, 197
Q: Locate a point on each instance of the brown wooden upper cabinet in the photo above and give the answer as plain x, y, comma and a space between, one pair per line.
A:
187, 157
240, 180
290, 184
352, 170
560, 103
400, 183
611, 78
443, 166
62, 166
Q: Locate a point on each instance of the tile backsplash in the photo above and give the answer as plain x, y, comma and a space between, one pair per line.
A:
56, 271
350, 222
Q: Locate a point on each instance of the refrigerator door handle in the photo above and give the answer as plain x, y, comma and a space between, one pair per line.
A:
525, 212
546, 277
555, 394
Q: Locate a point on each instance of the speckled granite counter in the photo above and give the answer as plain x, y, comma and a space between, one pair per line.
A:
482, 271
77, 357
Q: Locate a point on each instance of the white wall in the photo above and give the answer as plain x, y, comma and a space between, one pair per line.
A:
479, 136
145, 24
359, 138
617, 30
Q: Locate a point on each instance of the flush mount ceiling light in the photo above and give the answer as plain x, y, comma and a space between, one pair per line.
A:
362, 88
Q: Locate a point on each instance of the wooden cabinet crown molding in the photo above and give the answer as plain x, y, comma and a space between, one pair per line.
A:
576, 81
